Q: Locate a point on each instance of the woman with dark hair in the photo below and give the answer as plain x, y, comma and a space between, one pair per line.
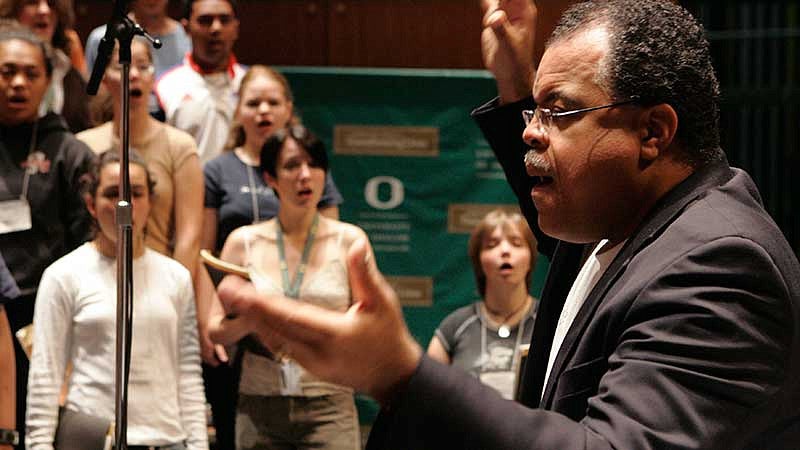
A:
76, 307
51, 20
484, 338
300, 254
237, 195
41, 211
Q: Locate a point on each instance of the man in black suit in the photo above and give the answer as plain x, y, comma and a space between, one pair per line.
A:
670, 317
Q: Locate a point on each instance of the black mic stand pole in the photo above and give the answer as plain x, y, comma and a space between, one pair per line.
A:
122, 29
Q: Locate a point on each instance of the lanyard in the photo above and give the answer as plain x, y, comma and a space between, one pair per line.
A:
293, 289
253, 195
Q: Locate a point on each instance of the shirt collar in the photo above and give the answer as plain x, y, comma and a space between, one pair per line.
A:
193, 64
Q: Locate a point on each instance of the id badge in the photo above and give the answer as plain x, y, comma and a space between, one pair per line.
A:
290, 374
15, 215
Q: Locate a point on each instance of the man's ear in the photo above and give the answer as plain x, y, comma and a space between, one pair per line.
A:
657, 129
185, 24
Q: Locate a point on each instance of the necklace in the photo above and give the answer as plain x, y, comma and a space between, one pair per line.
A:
504, 330
292, 289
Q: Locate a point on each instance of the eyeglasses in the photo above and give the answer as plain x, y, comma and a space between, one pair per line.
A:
546, 116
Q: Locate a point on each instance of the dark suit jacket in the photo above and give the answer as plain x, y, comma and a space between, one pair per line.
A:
690, 339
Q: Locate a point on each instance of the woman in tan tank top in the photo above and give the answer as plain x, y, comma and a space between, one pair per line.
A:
299, 254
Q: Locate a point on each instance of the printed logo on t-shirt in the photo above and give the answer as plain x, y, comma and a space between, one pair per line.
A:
499, 358
260, 190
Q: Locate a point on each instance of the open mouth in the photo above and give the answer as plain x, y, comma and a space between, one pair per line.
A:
304, 192
136, 92
264, 124
17, 100
506, 266
541, 181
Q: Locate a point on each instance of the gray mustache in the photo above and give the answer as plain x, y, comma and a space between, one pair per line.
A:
537, 161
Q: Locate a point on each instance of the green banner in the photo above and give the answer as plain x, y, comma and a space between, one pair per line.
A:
415, 172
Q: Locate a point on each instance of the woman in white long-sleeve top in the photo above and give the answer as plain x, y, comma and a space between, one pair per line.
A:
74, 322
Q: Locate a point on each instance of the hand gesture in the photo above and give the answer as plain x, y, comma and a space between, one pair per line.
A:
509, 28
368, 347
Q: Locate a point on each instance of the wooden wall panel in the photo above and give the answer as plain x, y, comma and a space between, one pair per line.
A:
367, 33
89, 14
283, 32
405, 33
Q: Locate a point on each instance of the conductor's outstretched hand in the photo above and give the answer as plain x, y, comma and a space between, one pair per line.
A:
509, 29
368, 347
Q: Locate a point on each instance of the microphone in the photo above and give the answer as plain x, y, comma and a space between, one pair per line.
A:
120, 27
106, 45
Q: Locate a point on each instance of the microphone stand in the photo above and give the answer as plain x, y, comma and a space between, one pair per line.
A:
122, 29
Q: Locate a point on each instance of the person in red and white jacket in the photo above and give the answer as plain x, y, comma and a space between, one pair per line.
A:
200, 95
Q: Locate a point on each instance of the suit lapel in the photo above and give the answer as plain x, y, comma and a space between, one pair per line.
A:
563, 269
662, 215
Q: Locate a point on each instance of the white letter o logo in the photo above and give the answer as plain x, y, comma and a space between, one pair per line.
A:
396, 192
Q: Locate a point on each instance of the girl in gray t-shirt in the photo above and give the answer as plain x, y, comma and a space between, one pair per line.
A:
484, 338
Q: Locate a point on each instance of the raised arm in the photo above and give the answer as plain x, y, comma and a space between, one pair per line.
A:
507, 45
509, 28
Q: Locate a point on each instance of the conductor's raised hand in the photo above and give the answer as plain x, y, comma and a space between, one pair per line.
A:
509, 29
368, 347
